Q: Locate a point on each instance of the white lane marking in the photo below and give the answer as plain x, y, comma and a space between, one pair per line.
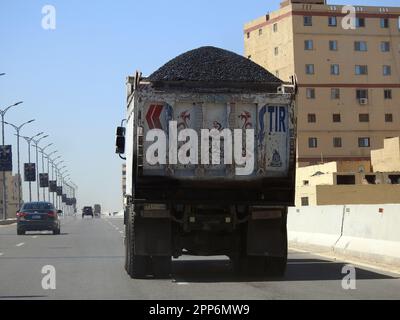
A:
182, 283
34, 237
1, 253
121, 232
20, 244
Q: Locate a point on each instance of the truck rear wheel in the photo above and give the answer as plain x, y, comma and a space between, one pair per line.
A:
249, 265
162, 267
136, 265
276, 266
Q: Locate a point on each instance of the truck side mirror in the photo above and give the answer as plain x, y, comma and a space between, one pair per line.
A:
120, 141
121, 131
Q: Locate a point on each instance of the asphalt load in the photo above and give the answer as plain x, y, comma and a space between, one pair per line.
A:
211, 64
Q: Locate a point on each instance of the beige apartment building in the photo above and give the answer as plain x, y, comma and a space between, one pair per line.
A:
331, 184
349, 79
12, 195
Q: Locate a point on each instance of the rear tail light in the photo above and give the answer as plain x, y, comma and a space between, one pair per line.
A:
21, 214
51, 214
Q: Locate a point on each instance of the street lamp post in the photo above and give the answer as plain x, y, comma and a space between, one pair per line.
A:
29, 141
74, 188
18, 129
36, 142
48, 168
3, 113
53, 167
42, 152
58, 178
63, 176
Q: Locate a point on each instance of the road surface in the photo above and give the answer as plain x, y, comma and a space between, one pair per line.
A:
88, 261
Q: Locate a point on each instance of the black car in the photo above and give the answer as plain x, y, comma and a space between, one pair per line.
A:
38, 216
87, 211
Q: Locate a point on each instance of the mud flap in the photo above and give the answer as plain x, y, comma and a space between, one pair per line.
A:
153, 237
267, 238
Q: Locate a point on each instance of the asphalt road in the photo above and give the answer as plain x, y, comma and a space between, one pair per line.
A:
88, 260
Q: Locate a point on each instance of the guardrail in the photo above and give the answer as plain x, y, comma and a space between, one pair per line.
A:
367, 232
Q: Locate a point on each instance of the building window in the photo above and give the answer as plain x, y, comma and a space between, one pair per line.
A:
310, 92
275, 27
385, 46
248, 35
361, 70
332, 21
388, 117
260, 31
333, 45
276, 51
363, 117
360, 22
361, 94
308, 45
312, 118
345, 179
387, 70
306, 183
360, 46
388, 94
335, 93
335, 70
307, 21
305, 202
337, 142
384, 23
364, 142
310, 69
336, 117
313, 143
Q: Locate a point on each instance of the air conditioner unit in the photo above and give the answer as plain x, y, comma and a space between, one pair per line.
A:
363, 101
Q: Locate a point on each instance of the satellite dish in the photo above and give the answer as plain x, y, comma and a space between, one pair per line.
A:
361, 169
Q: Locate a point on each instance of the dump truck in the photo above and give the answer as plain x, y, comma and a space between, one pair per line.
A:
209, 142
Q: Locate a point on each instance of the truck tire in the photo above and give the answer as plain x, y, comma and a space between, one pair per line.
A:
162, 267
136, 265
276, 266
249, 265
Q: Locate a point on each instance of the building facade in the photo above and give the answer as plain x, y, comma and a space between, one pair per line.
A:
12, 195
331, 183
349, 79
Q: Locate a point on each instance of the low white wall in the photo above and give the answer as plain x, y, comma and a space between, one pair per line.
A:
319, 227
370, 232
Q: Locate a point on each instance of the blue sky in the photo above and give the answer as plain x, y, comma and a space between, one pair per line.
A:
72, 79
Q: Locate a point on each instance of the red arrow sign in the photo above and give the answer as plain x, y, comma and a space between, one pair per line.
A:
153, 116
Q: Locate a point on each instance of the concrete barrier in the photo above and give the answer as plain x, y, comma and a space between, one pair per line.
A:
367, 232
371, 232
7, 222
318, 227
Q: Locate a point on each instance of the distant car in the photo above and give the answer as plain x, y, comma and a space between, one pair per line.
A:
87, 211
38, 216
